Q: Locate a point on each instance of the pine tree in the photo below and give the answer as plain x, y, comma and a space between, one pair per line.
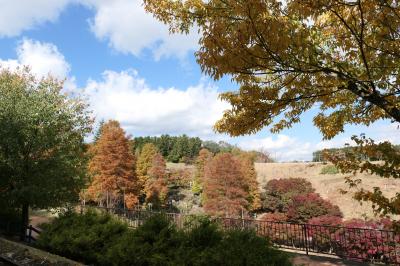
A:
112, 167
224, 187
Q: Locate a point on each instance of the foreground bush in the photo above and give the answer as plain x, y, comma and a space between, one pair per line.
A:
84, 237
98, 239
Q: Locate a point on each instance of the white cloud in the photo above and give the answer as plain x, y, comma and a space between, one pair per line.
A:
141, 110
19, 15
129, 29
281, 147
123, 23
389, 132
43, 58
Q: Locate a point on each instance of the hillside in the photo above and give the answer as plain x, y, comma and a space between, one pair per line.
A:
328, 185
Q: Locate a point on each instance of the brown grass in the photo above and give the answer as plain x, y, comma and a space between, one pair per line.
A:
329, 185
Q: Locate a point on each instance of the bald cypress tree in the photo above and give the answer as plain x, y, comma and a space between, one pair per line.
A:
112, 168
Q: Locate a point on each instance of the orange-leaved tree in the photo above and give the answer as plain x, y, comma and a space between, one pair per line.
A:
247, 167
156, 186
201, 160
112, 167
143, 164
224, 188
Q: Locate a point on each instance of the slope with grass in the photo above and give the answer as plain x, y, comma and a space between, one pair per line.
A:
328, 184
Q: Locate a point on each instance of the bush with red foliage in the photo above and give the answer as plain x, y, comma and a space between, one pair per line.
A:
326, 220
304, 207
279, 193
368, 245
273, 217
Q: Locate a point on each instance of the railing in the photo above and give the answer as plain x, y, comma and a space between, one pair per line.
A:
12, 229
31, 233
360, 244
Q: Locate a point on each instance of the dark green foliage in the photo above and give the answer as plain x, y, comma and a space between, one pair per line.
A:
84, 237
173, 148
246, 248
10, 220
199, 243
100, 240
154, 243
206, 244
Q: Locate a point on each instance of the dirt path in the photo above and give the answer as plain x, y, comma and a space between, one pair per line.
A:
313, 260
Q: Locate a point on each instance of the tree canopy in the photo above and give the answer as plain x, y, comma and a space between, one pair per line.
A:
42, 132
289, 56
112, 167
339, 57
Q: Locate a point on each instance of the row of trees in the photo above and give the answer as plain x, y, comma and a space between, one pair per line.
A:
226, 181
173, 148
118, 178
324, 155
185, 149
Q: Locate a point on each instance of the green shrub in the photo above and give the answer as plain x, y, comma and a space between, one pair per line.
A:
207, 244
329, 170
84, 237
246, 248
153, 243
98, 239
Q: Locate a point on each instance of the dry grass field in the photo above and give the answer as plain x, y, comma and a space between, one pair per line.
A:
328, 185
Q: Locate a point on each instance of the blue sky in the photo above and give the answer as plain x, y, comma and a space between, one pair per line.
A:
131, 69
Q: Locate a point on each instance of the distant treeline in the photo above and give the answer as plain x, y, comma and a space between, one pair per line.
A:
185, 149
173, 148
318, 156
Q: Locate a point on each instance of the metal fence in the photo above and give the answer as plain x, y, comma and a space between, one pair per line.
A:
360, 244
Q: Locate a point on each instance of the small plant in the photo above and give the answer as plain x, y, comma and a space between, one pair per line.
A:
329, 170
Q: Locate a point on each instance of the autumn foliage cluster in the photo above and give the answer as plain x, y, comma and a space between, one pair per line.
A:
295, 200
118, 178
227, 182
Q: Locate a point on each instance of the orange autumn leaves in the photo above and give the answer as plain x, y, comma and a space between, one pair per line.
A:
112, 167
227, 181
230, 186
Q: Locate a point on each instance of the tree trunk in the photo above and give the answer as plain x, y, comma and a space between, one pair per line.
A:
25, 221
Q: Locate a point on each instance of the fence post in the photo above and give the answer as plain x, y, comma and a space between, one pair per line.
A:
30, 234
305, 237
